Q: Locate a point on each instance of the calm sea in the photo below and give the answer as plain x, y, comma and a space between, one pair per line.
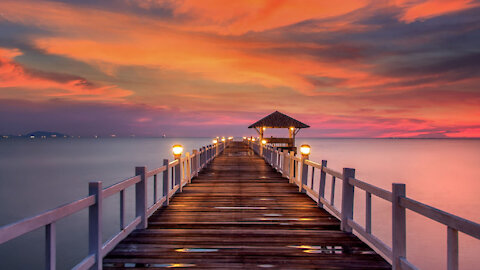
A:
36, 175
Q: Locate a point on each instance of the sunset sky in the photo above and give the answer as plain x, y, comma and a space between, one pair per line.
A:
405, 68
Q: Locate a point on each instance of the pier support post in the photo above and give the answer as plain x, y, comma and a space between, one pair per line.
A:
95, 224
141, 197
399, 226
166, 184
321, 185
347, 199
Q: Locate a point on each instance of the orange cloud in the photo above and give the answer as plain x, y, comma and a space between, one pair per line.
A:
430, 8
14, 75
238, 17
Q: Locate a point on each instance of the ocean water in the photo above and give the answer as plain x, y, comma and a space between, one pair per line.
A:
42, 174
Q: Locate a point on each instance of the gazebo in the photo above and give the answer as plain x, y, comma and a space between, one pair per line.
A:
279, 120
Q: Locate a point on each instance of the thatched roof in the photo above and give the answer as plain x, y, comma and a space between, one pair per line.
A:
278, 120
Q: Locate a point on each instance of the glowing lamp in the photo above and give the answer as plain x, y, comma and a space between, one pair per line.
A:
249, 139
292, 128
253, 139
223, 139
177, 151
264, 141
244, 138
230, 138
264, 128
305, 150
215, 141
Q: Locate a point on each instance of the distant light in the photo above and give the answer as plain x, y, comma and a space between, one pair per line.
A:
305, 150
244, 138
292, 128
113, 135
230, 138
249, 138
253, 139
264, 141
215, 141
264, 128
32, 137
223, 139
177, 150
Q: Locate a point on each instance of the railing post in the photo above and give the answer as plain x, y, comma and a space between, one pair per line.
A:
291, 171
199, 160
181, 168
285, 163
141, 197
204, 156
321, 185
166, 184
195, 163
303, 174
95, 224
50, 246
177, 174
347, 199
188, 167
399, 227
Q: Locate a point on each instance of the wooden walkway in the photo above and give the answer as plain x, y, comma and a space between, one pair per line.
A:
240, 213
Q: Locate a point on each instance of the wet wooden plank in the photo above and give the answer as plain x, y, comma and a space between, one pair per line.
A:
241, 214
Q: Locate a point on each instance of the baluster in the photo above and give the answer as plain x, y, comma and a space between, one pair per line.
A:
50, 246
332, 191
321, 186
122, 209
312, 180
368, 212
154, 189
452, 249
166, 183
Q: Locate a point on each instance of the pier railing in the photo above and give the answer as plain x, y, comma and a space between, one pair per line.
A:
301, 172
174, 175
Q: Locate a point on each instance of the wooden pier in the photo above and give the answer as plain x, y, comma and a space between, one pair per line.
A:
241, 213
242, 205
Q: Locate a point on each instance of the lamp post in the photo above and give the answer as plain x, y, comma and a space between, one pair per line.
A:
305, 151
177, 154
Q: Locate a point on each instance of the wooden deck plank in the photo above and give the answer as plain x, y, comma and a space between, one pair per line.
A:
241, 214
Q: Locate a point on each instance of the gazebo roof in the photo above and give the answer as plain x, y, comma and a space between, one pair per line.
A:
278, 120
